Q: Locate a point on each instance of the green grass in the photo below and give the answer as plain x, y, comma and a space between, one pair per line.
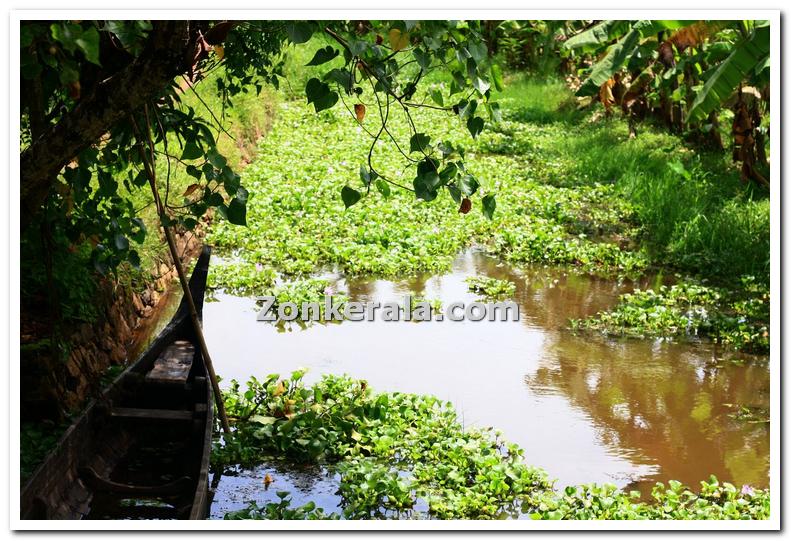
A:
538, 101
703, 221
694, 211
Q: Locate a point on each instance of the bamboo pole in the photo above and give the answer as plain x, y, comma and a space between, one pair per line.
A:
148, 164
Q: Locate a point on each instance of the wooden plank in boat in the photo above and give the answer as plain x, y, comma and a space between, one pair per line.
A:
173, 365
98, 483
147, 413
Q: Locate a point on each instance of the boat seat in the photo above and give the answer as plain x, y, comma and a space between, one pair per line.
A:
173, 365
152, 414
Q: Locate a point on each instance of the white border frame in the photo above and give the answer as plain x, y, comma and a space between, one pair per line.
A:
775, 277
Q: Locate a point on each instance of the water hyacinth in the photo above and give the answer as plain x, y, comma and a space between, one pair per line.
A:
401, 455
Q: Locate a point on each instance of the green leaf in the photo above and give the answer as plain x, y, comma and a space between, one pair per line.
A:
121, 242
447, 148
489, 204
383, 187
242, 194
27, 33
134, 259
494, 111
88, 43
323, 56
478, 50
359, 47
189, 223
475, 126
216, 159
497, 78
214, 199
419, 142
140, 235
468, 185
422, 57
600, 34
263, 419
447, 174
729, 74
341, 76
237, 211
350, 196
140, 180
426, 185
367, 176
66, 34
320, 95
299, 31
472, 69
466, 108
649, 28
68, 74
616, 57
194, 172
231, 183
191, 151
481, 85
436, 95
455, 193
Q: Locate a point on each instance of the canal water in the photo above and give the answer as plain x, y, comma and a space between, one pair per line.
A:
585, 408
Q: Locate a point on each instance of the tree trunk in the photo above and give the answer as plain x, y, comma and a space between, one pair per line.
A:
112, 100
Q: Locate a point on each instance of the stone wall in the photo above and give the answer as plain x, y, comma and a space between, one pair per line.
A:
52, 388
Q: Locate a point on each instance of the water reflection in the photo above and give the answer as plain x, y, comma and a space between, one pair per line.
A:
304, 483
585, 409
663, 405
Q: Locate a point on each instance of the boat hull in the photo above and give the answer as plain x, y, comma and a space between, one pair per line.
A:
139, 449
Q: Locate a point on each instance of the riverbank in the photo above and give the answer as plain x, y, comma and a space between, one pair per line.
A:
80, 328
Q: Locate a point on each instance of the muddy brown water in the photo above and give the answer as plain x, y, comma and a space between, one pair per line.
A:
585, 408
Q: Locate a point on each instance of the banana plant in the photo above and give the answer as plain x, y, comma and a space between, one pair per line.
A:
685, 72
748, 61
744, 60
627, 37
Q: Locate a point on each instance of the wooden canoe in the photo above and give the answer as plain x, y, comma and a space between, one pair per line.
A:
142, 448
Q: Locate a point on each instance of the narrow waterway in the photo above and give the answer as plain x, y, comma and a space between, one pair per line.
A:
584, 408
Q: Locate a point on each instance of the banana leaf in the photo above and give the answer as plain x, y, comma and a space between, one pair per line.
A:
619, 53
608, 31
598, 35
616, 56
738, 66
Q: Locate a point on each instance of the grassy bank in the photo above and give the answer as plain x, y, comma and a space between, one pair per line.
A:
694, 212
73, 289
